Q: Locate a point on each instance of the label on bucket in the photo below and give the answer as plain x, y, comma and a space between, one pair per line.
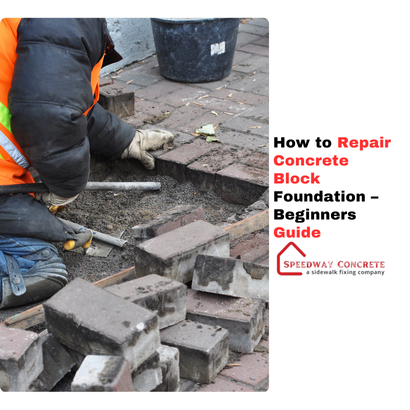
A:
218, 48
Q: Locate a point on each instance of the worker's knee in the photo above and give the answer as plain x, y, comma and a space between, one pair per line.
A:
31, 273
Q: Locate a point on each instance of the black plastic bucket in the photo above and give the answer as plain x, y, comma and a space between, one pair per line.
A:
195, 50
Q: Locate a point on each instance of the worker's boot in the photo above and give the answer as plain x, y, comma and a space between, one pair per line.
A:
145, 140
41, 281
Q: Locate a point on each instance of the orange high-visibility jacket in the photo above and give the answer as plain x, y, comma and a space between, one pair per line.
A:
49, 119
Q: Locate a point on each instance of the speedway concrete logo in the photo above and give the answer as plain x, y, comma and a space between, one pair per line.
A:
298, 264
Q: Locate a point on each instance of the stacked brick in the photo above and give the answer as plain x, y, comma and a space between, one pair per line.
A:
148, 333
21, 359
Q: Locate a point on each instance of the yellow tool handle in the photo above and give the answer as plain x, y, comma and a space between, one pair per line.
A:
54, 209
84, 239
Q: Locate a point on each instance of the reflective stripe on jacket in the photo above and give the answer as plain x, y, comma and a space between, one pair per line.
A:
13, 163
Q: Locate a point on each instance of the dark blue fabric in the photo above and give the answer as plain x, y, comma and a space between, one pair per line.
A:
27, 252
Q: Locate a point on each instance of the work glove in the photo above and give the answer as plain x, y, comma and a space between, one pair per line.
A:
145, 140
50, 199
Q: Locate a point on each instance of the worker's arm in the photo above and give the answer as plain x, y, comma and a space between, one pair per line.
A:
21, 215
109, 136
50, 92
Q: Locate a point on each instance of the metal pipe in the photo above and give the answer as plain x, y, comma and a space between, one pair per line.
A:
122, 186
91, 186
97, 235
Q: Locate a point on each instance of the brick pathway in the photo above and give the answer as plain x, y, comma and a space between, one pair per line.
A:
239, 106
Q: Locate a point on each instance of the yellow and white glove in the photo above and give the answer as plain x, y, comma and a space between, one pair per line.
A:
145, 140
50, 199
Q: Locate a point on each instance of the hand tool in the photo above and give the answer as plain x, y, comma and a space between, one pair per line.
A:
91, 186
97, 235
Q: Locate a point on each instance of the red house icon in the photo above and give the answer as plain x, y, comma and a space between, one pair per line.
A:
283, 251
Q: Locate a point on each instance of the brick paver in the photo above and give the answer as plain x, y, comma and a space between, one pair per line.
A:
265, 262
250, 63
173, 254
247, 125
261, 89
174, 162
241, 56
214, 85
103, 373
227, 105
239, 97
240, 172
260, 113
258, 80
257, 22
226, 155
140, 78
21, 359
256, 160
137, 120
244, 318
152, 108
182, 96
90, 320
253, 29
245, 38
208, 117
253, 369
253, 249
244, 140
262, 42
160, 88
221, 384
214, 161
255, 49
182, 115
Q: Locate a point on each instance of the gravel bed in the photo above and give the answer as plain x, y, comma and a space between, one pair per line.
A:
114, 213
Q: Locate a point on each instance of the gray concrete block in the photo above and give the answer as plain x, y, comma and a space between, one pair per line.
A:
174, 218
92, 321
21, 359
100, 373
232, 277
244, 318
57, 362
165, 297
76, 356
169, 360
173, 254
186, 385
148, 375
203, 349
117, 99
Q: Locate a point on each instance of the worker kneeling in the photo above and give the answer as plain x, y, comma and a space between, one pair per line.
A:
30, 271
50, 121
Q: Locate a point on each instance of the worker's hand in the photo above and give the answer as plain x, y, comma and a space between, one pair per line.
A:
50, 199
145, 140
